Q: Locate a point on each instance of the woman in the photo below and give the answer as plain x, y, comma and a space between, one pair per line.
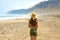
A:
33, 25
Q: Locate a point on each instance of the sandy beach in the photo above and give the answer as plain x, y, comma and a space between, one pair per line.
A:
49, 29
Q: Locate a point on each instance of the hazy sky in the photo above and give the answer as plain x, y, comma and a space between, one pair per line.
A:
7, 5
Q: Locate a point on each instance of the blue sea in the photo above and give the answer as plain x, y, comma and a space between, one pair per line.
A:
13, 16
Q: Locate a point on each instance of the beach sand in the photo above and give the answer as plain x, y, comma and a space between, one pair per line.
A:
49, 29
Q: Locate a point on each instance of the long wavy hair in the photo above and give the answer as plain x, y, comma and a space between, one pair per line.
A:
33, 22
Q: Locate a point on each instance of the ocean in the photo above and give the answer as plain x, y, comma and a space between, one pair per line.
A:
13, 16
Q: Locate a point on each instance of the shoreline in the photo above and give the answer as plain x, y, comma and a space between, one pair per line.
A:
14, 20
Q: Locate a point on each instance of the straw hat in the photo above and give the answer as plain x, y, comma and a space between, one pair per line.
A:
33, 15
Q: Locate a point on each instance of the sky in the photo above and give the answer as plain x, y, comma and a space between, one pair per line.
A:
7, 5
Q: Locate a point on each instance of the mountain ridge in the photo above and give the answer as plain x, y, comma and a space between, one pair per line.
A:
45, 5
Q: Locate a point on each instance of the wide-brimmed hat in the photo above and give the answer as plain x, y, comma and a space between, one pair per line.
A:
33, 14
